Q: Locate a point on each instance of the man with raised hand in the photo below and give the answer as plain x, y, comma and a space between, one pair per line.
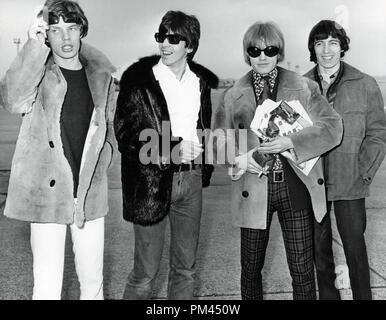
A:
65, 92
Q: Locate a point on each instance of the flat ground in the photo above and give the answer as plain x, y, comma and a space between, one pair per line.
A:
218, 266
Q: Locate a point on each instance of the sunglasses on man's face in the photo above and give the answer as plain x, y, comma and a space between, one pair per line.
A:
270, 51
172, 38
70, 17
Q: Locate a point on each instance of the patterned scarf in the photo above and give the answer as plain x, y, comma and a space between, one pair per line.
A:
258, 81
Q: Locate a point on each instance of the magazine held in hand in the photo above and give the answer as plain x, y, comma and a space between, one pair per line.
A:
280, 119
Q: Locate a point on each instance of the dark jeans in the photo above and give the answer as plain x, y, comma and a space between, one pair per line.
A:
296, 228
184, 218
350, 218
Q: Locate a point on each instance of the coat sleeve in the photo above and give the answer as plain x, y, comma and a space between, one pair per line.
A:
372, 150
224, 143
18, 88
138, 134
127, 120
326, 131
110, 112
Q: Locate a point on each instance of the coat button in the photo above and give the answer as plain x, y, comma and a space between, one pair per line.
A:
245, 194
241, 126
320, 181
52, 183
51, 144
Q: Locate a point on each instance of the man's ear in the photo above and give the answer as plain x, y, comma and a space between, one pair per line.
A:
190, 50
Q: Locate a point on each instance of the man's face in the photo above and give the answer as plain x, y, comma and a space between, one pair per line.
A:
173, 55
263, 64
64, 39
328, 52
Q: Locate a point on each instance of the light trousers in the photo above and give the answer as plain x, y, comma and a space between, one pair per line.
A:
48, 243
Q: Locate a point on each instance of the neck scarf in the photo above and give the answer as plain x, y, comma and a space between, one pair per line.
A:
259, 80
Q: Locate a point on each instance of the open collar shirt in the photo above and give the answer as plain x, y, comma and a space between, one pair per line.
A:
183, 100
327, 80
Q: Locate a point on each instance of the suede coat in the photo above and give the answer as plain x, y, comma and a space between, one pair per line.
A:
353, 164
41, 182
237, 111
141, 105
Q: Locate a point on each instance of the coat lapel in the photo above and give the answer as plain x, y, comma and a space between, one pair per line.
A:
98, 71
289, 87
243, 90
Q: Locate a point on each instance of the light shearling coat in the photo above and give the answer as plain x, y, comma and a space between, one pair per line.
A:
237, 112
41, 183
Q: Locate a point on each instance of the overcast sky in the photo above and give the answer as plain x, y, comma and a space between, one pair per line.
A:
123, 29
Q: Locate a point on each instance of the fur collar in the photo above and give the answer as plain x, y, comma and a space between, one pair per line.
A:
91, 58
95, 60
288, 80
141, 72
98, 70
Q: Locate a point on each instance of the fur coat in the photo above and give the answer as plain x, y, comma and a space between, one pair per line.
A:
41, 183
141, 105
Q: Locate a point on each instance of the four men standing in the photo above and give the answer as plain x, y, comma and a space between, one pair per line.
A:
65, 92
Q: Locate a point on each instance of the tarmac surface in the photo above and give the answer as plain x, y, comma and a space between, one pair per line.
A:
218, 262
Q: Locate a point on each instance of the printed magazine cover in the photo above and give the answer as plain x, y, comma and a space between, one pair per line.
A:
281, 118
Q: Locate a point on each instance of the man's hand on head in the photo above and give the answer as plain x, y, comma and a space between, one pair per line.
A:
38, 28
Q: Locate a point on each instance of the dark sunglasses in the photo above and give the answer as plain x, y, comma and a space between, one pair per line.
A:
70, 17
172, 38
270, 51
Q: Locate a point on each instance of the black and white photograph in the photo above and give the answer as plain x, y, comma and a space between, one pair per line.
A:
129, 167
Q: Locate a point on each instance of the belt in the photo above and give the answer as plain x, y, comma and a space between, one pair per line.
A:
185, 167
276, 176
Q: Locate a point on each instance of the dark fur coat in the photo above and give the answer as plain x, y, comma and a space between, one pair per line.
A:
141, 105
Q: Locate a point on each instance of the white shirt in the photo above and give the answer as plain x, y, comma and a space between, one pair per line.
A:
183, 100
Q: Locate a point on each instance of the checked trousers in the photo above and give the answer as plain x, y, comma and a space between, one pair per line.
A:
297, 230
